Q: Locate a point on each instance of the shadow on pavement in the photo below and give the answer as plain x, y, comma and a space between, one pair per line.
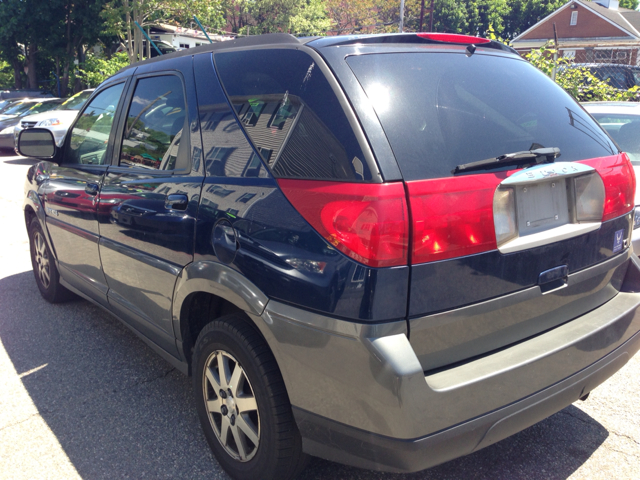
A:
118, 410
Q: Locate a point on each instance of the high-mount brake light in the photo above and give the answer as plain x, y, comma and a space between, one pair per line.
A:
452, 217
619, 184
454, 38
368, 222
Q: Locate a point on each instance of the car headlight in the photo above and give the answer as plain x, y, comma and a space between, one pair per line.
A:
50, 122
636, 217
7, 130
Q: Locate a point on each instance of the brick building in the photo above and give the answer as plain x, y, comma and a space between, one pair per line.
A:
588, 32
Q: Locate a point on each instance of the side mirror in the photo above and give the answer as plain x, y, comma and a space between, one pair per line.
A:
37, 142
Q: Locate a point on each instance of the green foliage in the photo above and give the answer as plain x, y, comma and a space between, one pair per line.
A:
6, 75
310, 19
96, 69
632, 4
578, 82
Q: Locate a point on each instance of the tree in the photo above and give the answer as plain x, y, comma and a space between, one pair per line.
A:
120, 17
311, 19
526, 13
96, 69
25, 27
632, 4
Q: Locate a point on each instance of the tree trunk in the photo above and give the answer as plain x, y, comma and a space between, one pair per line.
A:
64, 81
32, 75
81, 57
129, 24
17, 74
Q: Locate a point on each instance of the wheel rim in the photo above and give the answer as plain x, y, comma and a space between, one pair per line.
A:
41, 258
231, 406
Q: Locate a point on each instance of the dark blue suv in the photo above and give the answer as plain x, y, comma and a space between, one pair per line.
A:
387, 251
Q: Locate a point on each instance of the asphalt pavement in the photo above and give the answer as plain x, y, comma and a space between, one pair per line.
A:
82, 397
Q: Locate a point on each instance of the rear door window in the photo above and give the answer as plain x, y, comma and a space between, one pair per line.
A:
440, 110
290, 112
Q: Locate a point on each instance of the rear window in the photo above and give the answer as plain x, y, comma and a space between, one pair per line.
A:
440, 110
288, 109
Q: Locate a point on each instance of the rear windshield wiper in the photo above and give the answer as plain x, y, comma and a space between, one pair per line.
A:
537, 156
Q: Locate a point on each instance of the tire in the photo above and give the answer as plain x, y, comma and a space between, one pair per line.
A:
255, 438
44, 266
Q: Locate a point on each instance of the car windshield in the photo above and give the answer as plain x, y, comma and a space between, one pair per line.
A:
41, 107
75, 102
18, 108
440, 110
625, 130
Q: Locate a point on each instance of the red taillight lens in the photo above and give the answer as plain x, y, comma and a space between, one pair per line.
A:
454, 38
367, 222
619, 184
452, 217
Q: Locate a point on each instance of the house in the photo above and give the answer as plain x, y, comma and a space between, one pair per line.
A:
588, 32
181, 37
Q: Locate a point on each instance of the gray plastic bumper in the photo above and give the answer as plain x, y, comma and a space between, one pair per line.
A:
360, 396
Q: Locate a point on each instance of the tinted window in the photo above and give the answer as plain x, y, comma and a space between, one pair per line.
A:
291, 114
90, 135
442, 110
155, 122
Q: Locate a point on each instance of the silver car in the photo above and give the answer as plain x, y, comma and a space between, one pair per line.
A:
57, 121
621, 120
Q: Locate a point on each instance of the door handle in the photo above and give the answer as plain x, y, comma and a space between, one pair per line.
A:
91, 188
176, 201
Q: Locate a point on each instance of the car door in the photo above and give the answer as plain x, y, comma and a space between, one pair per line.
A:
149, 201
70, 194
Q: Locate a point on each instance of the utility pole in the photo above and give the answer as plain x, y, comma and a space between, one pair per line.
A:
401, 25
421, 15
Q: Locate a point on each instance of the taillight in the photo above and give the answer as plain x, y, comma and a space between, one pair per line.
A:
367, 222
619, 184
452, 217
454, 38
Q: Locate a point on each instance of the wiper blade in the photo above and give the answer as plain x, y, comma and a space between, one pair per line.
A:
537, 156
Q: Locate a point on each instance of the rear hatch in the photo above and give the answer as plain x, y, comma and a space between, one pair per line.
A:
505, 251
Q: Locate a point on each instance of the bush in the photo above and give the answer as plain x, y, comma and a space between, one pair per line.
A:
579, 82
96, 69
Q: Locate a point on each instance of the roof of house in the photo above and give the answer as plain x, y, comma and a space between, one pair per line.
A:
623, 18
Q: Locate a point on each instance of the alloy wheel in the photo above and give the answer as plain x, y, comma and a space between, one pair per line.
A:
231, 405
41, 257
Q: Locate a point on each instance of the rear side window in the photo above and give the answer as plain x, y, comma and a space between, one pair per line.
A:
288, 109
155, 122
440, 110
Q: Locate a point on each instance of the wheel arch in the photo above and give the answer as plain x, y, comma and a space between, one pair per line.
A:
205, 291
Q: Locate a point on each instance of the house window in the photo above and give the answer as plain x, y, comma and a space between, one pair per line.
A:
574, 18
184, 45
569, 54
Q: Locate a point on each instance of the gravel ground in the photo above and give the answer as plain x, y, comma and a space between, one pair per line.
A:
82, 397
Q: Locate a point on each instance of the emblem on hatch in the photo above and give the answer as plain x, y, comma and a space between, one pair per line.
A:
541, 172
618, 241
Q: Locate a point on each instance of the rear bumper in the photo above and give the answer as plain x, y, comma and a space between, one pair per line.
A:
341, 443
360, 395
